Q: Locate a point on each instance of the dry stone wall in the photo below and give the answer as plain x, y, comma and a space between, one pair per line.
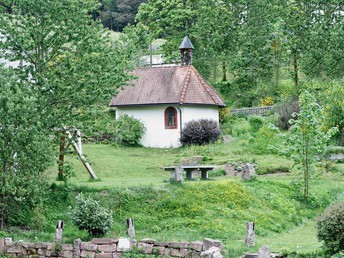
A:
110, 248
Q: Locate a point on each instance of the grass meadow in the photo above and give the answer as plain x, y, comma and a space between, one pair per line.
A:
133, 184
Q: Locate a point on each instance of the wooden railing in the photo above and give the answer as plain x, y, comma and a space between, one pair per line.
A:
260, 111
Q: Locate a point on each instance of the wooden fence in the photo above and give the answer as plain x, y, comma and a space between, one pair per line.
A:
260, 111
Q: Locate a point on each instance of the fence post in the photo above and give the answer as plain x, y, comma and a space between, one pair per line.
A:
178, 173
131, 229
249, 240
59, 231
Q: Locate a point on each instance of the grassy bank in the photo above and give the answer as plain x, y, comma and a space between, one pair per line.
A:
194, 210
133, 184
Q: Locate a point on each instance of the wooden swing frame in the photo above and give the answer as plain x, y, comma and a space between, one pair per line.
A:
67, 139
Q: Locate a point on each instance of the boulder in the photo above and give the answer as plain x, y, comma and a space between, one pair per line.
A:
264, 252
213, 252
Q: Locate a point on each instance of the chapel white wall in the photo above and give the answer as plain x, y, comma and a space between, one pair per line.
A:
153, 118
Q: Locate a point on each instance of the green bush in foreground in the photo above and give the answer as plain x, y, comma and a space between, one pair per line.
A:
90, 216
331, 227
129, 130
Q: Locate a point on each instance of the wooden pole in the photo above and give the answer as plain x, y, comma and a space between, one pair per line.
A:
78, 135
61, 155
81, 156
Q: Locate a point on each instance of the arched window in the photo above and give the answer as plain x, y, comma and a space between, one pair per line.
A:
171, 121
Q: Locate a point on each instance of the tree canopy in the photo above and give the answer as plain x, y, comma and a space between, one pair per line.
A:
253, 40
69, 57
68, 66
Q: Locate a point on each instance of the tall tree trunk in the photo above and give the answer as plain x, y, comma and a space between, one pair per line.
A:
306, 165
61, 156
224, 71
296, 70
3, 196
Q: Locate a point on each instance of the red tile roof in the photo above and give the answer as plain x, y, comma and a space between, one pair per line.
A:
167, 85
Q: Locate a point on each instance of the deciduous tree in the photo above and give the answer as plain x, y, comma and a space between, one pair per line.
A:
306, 139
25, 150
67, 54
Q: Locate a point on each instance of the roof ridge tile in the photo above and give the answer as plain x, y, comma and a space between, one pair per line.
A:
206, 86
185, 85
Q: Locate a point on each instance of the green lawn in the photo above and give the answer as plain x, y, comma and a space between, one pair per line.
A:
299, 239
121, 166
129, 166
133, 184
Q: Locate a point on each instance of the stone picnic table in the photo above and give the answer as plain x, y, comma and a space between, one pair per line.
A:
176, 171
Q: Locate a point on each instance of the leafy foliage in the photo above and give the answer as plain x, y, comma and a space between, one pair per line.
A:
116, 14
200, 132
333, 100
256, 123
129, 130
331, 227
306, 139
255, 42
90, 216
25, 151
66, 54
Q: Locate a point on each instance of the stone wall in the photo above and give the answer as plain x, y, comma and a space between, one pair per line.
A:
110, 248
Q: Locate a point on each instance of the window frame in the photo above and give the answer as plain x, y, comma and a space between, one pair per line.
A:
174, 117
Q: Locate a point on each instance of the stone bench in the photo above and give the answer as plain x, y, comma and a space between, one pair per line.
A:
176, 171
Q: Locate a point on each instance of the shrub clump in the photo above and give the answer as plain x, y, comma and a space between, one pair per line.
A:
331, 227
285, 112
200, 132
256, 122
129, 130
88, 215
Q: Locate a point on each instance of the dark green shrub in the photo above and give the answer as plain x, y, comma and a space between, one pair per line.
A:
285, 111
129, 130
217, 172
256, 122
90, 216
331, 227
200, 132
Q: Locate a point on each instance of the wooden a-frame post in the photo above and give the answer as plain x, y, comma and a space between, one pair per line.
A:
76, 147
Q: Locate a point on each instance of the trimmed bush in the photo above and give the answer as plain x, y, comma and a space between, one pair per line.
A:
129, 130
331, 227
88, 215
200, 132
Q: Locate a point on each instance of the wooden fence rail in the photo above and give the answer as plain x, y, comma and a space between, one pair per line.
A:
260, 111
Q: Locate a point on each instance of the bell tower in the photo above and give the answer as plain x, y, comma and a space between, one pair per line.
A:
186, 48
